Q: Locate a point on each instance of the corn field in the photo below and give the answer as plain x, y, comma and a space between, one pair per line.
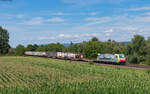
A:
35, 75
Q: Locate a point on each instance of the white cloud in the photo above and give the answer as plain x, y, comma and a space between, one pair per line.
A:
71, 36
143, 19
129, 28
108, 34
117, 20
138, 9
41, 21
109, 31
67, 36
95, 20
11, 16
56, 19
34, 21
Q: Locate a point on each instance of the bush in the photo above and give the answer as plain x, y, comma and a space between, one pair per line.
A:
148, 59
11, 51
20, 49
133, 59
91, 63
148, 71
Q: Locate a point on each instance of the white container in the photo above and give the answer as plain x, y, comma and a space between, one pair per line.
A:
59, 55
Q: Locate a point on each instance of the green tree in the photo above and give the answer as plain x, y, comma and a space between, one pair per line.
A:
136, 51
42, 49
4, 41
20, 49
94, 39
31, 47
35, 47
108, 46
71, 43
53, 47
148, 39
119, 48
148, 51
139, 45
56, 47
92, 49
73, 48
77, 48
129, 49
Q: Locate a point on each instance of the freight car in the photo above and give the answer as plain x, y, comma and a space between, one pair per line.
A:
111, 58
51, 54
42, 54
59, 55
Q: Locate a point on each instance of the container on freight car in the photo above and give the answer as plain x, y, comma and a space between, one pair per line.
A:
60, 55
71, 56
65, 55
38, 53
28, 53
35, 53
51, 54
44, 54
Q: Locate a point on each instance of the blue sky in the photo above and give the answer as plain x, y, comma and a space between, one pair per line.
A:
47, 21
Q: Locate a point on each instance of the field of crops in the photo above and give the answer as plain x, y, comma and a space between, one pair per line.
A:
35, 75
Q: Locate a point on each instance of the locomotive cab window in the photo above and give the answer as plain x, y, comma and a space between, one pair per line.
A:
116, 56
121, 56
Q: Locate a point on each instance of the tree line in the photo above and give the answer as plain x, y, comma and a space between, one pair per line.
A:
137, 51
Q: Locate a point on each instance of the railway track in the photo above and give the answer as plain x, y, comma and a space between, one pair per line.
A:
133, 66
137, 66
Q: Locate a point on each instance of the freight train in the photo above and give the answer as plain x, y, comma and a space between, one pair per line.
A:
101, 58
58, 55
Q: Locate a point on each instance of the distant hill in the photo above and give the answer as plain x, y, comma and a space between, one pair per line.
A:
126, 43
66, 44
